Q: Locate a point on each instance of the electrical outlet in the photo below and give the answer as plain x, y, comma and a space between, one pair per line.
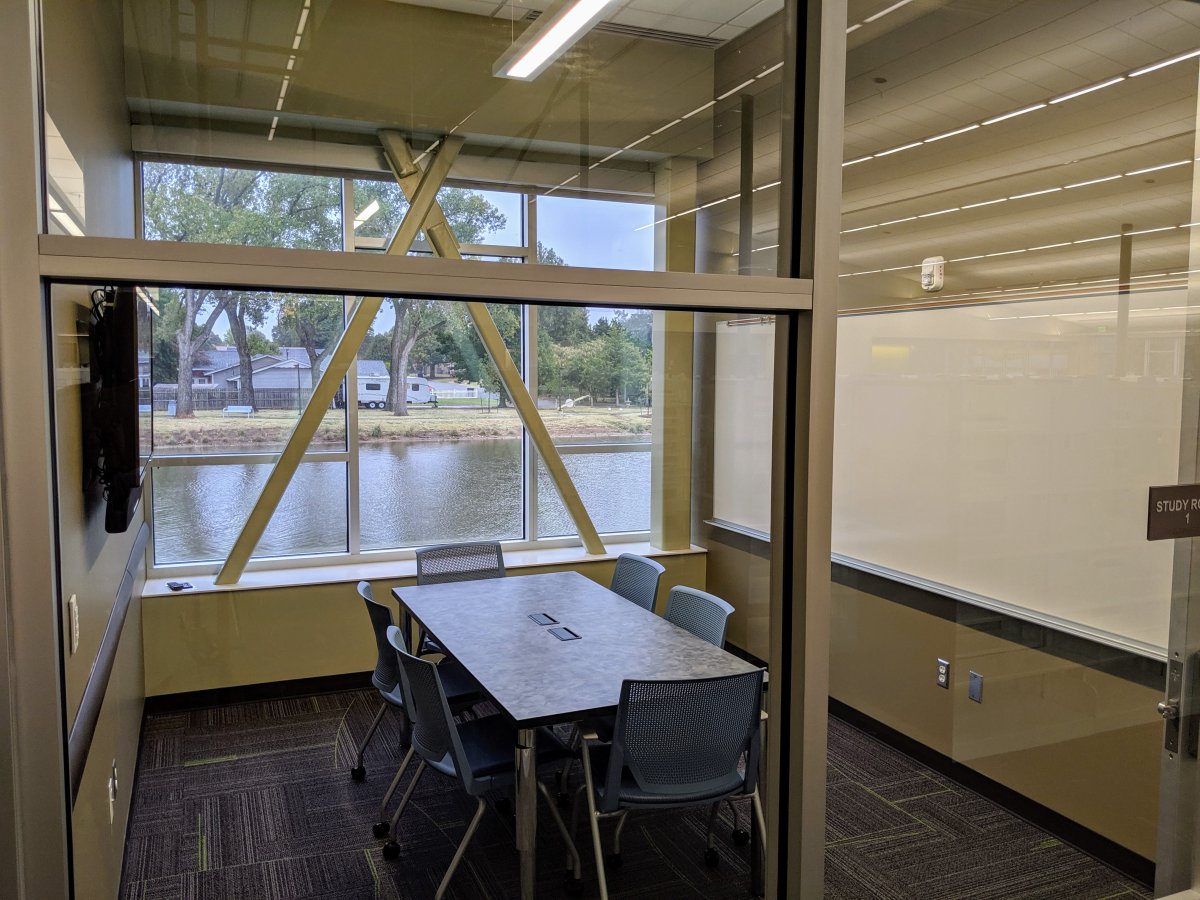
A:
943, 673
975, 687
73, 616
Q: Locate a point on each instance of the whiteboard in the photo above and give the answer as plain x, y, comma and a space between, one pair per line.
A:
743, 407
994, 450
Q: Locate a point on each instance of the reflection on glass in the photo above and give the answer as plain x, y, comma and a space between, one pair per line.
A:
200, 510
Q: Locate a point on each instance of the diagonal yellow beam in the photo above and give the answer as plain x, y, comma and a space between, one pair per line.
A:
408, 175
297, 443
425, 196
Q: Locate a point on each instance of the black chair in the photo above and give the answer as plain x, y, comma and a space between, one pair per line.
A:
676, 744
462, 692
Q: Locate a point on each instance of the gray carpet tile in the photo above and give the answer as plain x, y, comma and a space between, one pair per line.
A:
255, 800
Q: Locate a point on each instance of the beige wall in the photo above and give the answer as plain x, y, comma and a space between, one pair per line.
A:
1077, 740
200, 641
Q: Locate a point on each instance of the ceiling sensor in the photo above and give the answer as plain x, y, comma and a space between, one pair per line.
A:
933, 273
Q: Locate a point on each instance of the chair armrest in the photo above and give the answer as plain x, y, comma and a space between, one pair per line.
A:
589, 735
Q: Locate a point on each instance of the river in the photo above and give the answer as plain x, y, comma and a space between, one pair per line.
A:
412, 493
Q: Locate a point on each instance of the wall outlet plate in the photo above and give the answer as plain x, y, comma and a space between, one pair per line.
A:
975, 687
943, 673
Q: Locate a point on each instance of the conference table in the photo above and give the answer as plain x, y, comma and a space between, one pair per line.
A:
491, 626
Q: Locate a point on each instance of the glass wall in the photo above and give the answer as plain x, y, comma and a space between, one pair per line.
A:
1018, 256
658, 122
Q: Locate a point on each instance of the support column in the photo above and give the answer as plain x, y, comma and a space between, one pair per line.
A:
671, 431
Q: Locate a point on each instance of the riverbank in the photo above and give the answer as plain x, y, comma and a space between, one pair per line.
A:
271, 427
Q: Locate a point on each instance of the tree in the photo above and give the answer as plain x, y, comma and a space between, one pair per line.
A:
216, 205
313, 323
259, 343
415, 319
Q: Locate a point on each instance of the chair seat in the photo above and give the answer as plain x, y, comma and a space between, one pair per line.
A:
489, 743
631, 794
461, 689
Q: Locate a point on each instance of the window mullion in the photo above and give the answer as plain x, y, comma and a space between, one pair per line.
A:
350, 389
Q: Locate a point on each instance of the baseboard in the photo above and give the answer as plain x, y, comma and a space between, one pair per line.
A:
247, 693
1067, 830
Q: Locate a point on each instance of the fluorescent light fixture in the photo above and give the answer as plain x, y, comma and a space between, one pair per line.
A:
884, 12
555, 32
1015, 113
1170, 165
1080, 184
1087, 90
898, 149
855, 162
854, 28
942, 137
1034, 193
1166, 62
369, 210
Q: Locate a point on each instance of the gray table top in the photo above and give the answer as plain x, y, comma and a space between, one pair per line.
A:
535, 678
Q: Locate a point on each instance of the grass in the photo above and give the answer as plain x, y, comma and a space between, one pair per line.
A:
211, 429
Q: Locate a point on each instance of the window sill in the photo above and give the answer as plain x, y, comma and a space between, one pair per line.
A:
394, 569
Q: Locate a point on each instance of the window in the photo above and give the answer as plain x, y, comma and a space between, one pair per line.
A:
425, 428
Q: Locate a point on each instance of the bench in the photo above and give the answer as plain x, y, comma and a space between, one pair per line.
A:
246, 411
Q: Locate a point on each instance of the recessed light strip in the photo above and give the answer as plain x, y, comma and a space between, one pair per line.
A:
291, 65
1022, 196
1054, 101
1091, 240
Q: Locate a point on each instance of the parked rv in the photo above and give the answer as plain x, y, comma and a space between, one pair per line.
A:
373, 391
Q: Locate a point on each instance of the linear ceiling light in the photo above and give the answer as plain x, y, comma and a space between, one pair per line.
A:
555, 32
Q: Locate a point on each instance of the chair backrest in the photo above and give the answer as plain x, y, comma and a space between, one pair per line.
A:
636, 579
701, 613
434, 736
686, 737
387, 672
459, 562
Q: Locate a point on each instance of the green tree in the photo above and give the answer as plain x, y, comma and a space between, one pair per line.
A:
258, 343
221, 205
415, 320
311, 322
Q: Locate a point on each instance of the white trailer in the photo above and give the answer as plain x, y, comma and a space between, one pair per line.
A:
373, 391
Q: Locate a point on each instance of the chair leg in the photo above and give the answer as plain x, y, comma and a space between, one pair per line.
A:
594, 818
617, 834
712, 821
358, 773
462, 847
572, 852
758, 816
408, 792
382, 828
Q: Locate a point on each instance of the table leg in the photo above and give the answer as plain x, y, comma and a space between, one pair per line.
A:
527, 808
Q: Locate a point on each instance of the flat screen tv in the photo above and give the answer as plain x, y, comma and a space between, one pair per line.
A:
114, 426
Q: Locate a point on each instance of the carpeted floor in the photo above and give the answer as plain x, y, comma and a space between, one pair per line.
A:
254, 800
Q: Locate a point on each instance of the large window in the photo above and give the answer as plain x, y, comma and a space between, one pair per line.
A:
422, 443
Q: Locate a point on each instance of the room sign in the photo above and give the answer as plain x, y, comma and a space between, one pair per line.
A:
1174, 512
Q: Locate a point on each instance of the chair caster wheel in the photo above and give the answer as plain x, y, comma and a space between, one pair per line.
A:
741, 837
573, 886
504, 806
359, 773
711, 859
391, 850
381, 829
613, 860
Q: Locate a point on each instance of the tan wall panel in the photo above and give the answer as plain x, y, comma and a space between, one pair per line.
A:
92, 562
223, 639
741, 575
1077, 740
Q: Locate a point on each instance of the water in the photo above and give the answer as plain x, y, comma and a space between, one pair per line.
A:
411, 493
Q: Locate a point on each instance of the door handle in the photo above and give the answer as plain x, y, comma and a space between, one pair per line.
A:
1168, 709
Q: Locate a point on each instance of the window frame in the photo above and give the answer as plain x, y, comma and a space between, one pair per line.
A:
354, 552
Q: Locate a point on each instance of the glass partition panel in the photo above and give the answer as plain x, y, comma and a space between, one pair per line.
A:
1018, 256
657, 125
